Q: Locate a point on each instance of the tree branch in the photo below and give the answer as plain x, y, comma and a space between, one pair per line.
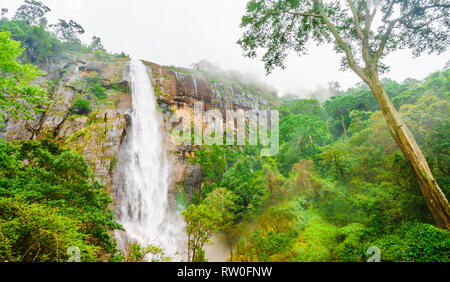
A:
365, 44
369, 20
385, 20
303, 14
388, 12
392, 24
344, 46
356, 19
384, 40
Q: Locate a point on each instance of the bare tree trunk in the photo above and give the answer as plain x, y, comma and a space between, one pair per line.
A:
343, 126
434, 197
230, 245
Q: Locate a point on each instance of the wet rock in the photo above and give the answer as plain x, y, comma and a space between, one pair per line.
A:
98, 138
193, 180
181, 88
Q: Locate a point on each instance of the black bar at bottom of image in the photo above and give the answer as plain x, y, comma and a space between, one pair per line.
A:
220, 271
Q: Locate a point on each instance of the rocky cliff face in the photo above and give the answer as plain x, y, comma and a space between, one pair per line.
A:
99, 135
180, 88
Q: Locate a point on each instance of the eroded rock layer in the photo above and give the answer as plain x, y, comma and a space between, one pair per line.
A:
100, 134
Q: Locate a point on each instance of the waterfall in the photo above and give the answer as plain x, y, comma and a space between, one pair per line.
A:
144, 207
232, 91
195, 85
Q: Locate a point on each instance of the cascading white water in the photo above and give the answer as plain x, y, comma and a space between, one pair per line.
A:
195, 85
144, 208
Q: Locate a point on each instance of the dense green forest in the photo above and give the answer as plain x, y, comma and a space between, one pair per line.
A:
49, 200
49, 203
338, 185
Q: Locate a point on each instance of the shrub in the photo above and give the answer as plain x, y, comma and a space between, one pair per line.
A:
136, 253
350, 248
81, 107
49, 201
32, 232
416, 242
98, 91
102, 55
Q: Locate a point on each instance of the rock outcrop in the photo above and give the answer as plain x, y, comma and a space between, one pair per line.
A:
180, 88
99, 135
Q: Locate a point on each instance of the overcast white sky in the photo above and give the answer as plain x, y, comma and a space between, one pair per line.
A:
181, 32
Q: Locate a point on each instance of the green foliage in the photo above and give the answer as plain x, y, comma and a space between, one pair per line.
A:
334, 198
212, 160
81, 107
339, 108
32, 12
421, 117
33, 232
277, 27
250, 194
434, 85
96, 44
136, 253
277, 220
29, 26
67, 31
201, 223
355, 105
39, 44
317, 241
98, 91
18, 97
222, 200
320, 199
42, 176
350, 239
101, 55
438, 146
306, 107
416, 242
301, 137
265, 247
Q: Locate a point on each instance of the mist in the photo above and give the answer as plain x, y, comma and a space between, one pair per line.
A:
180, 33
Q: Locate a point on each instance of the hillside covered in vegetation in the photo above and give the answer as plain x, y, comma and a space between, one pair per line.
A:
338, 186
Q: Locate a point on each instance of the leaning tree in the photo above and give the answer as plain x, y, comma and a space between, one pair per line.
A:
364, 32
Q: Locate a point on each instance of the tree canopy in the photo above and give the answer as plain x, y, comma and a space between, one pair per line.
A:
18, 96
67, 31
32, 12
283, 25
365, 31
49, 202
